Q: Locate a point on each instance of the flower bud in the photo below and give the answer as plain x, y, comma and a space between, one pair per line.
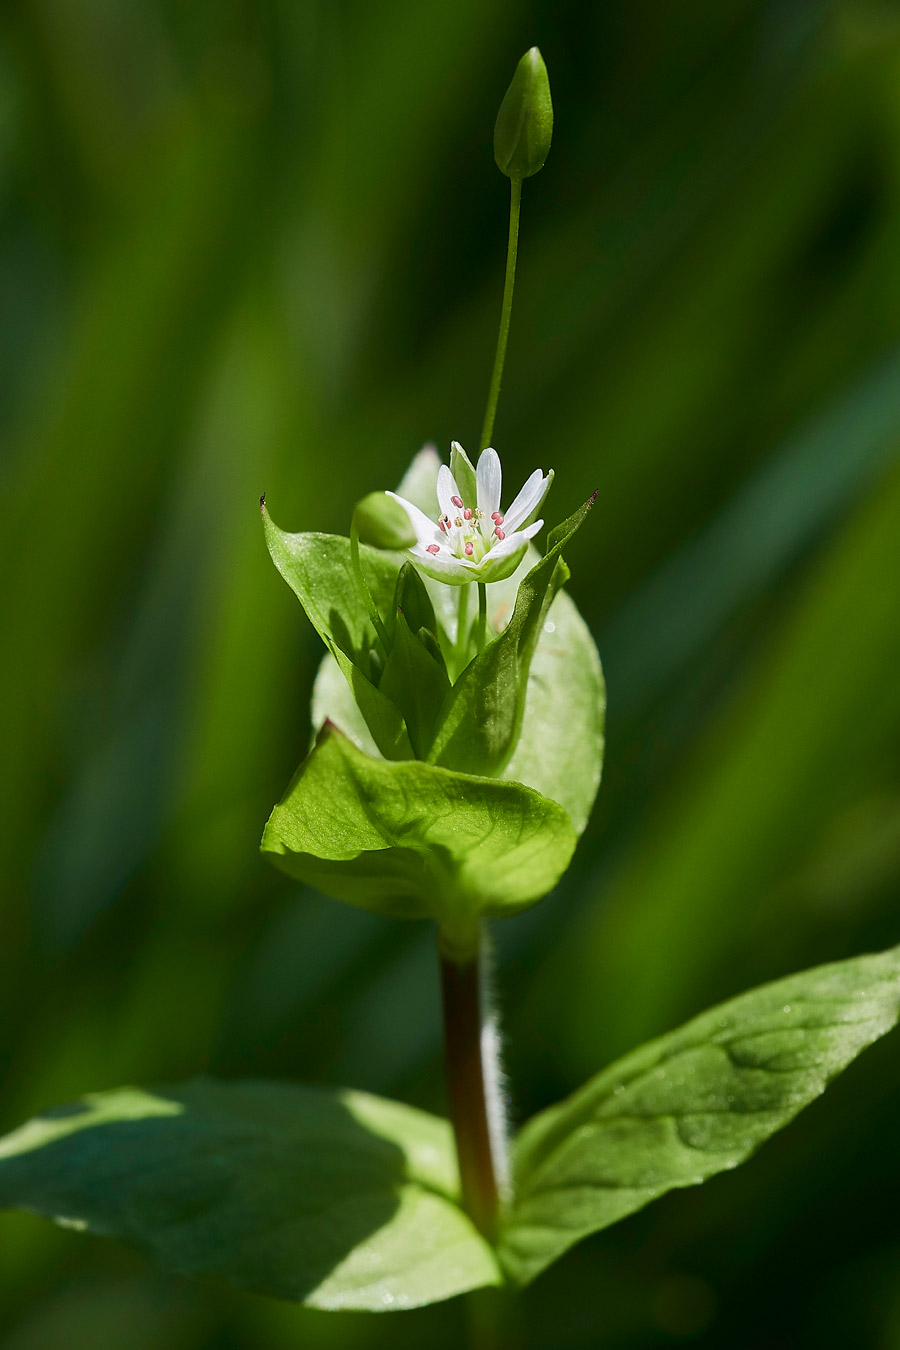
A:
525, 121
381, 523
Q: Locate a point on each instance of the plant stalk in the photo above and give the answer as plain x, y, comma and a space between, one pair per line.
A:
512, 248
467, 1087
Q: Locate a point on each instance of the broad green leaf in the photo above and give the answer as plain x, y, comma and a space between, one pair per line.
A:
691, 1104
335, 1198
560, 747
319, 571
413, 841
483, 712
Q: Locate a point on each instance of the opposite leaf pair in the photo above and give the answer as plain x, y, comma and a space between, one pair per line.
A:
344, 1200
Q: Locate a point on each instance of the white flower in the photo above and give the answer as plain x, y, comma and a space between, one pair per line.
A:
475, 540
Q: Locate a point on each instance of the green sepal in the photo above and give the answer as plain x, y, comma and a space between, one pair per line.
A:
412, 841
463, 471
338, 1199
691, 1104
481, 720
524, 126
319, 570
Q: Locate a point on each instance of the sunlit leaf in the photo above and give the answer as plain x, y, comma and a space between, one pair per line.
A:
691, 1104
414, 841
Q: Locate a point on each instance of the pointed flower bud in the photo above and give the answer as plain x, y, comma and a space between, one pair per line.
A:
525, 121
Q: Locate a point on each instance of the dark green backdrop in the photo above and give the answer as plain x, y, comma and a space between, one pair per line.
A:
259, 245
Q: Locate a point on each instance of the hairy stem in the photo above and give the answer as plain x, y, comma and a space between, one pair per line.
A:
512, 247
472, 1087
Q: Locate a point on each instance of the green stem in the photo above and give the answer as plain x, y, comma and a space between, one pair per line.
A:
481, 630
462, 628
515, 202
467, 1089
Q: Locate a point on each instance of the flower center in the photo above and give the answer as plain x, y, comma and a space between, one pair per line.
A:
469, 535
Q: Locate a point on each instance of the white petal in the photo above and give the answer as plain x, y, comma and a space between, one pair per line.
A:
447, 488
528, 500
488, 475
514, 541
426, 530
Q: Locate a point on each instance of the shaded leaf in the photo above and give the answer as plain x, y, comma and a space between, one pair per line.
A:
318, 569
691, 1104
413, 841
335, 1198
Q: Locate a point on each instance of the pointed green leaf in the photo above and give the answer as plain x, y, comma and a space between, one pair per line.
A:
319, 570
415, 677
335, 1198
413, 841
482, 716
691, 1104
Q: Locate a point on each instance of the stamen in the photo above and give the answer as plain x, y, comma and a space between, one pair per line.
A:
458, 522
433, 548
468, 513
457, 501
442, 524
501, 534
469, 550
496, 518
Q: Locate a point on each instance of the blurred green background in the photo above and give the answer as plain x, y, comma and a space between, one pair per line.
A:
259, 246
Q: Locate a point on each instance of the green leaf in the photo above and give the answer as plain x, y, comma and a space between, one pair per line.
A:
415, 678
483, 712
560, 747
318, 568
691, 1104
335, 1198
413, 841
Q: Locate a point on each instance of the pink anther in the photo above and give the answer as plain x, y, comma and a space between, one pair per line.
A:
501, 534
442, 525
468, 513
457, 501
433, 548
469, 550
496, 518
